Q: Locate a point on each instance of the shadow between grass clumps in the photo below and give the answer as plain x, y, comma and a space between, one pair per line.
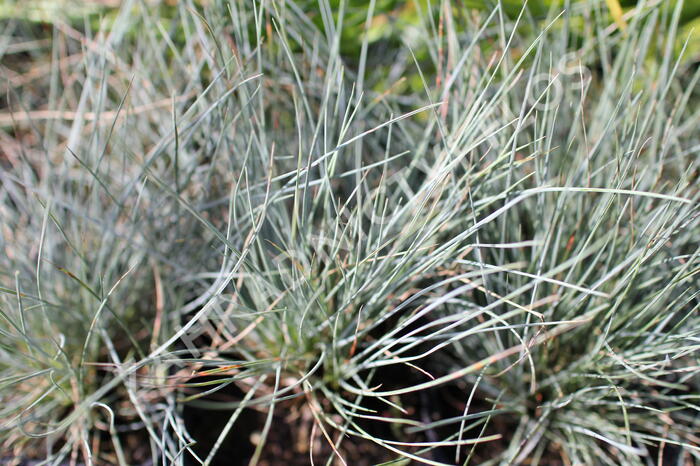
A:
288, 440
205, 425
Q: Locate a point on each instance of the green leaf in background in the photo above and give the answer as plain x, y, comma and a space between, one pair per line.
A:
539, 8
690, 11
617, 13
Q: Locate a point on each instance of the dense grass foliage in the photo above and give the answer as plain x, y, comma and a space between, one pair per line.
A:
231, 236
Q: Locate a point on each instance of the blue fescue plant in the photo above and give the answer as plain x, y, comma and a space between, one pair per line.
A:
479, 247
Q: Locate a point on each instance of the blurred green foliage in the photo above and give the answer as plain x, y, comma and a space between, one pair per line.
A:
355, 10
389, 23
392, 20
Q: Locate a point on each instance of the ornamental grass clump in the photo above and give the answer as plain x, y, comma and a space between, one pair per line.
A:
231, 236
